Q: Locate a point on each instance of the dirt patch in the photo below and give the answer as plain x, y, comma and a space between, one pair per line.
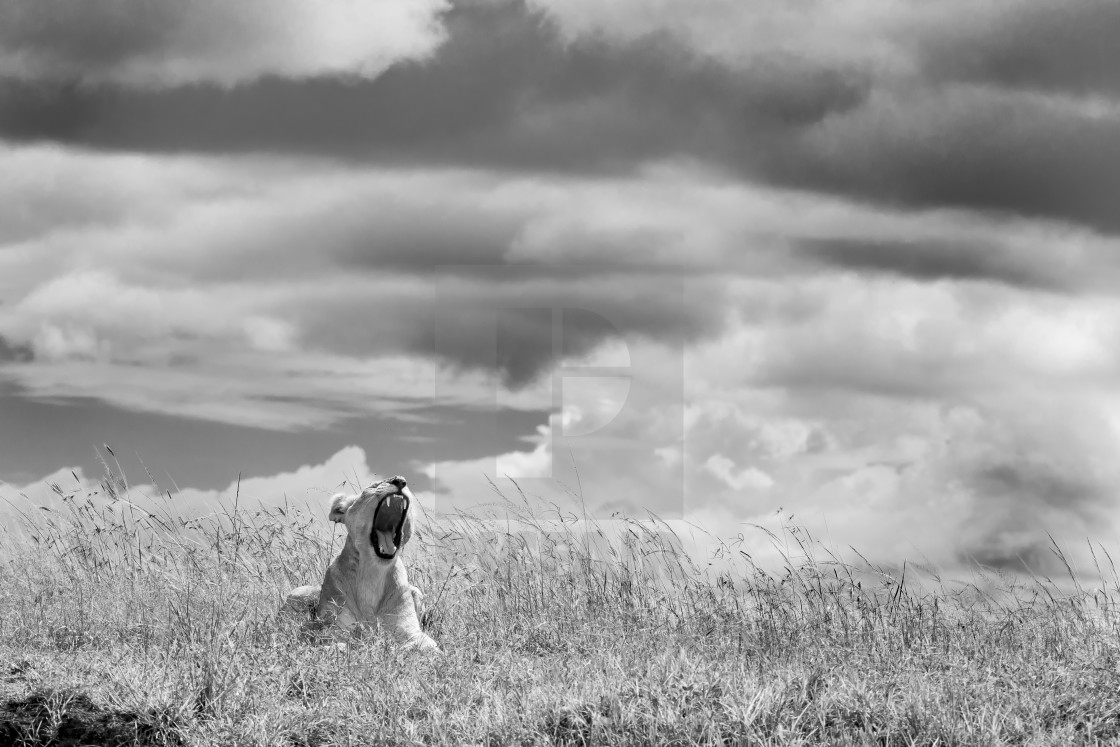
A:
58, 718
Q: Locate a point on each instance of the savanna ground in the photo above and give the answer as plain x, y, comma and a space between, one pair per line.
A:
129, 625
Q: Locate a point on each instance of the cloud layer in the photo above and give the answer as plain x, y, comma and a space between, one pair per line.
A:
899, 104
151, 45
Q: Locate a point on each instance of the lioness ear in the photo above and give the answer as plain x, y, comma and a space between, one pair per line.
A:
340, 504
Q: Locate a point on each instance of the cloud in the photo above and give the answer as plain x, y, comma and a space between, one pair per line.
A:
737, 478
1046, 46
310, 486
1043, 45
568, 105
949, 484
137, 43
74, 311
206, 282
738, 32
1027, 476
14, 353
914, 340
911, 419
943, 260
963, 147
868, 105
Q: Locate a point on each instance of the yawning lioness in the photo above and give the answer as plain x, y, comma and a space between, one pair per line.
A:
367, 582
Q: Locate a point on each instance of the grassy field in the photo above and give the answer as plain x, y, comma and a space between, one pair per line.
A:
122, 625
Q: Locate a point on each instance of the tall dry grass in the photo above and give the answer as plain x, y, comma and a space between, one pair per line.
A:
556, 630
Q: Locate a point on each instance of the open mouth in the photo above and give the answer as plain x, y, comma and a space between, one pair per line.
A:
388, 525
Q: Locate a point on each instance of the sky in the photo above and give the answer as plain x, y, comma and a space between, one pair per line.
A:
847, 263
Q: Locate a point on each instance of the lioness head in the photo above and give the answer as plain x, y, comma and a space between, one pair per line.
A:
377, 519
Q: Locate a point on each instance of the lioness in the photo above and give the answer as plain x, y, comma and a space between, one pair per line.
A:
367, 582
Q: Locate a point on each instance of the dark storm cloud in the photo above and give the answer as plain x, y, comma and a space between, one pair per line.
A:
1067, 46
371, 234
964, 148
515, 335
13, 352
97, 37
410, 239
506, 325
505, 89
930, 260
508, 91
860, 369
1020, 504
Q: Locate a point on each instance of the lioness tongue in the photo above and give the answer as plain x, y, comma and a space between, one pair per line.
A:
385, 542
